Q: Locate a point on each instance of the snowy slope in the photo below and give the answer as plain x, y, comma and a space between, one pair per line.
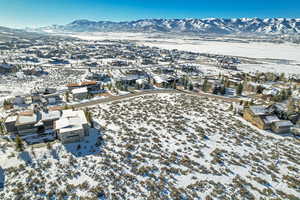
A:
159, 147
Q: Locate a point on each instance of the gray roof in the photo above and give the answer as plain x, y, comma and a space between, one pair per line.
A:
131, 77
258, 110
284, 123
270, 119
6, 66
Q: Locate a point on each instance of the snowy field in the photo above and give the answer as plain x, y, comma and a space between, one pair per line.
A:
287, 51
251, 50
159, 147
268, 67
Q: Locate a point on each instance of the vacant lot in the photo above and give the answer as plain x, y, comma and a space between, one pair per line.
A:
160, 147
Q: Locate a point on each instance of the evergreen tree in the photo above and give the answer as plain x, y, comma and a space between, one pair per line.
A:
89, 117
245, 84
185, 82
67, 96
66, 107
19, 143
226, 82
1, 129
246, 104
276, 98
295, 87
7, 104
239, 89
231, 107
215, 90
223, 90
222, 80
49, 145
174, 85
283, 95
251, 103
289, 92
259, 89
205, 85
291, 106
109, 86
282, 77
191, 87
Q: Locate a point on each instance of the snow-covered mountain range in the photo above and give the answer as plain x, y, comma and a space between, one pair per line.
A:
210, 25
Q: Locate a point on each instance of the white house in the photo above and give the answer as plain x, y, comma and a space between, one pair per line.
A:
80, 93
72, 126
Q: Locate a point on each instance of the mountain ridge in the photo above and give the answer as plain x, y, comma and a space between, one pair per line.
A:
202, 26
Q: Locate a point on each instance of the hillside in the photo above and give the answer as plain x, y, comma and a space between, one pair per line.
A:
159, 147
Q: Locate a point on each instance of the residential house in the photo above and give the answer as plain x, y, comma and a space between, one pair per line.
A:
159, 81
58, 61
90, 85
9, 124
128, 80
260, 116
49, 117
104, 77
26, 123
72, 126
52, 98
282, 126
269, 93
7, 68
142, 83
19, 100
227, 62
80, 93
28, 100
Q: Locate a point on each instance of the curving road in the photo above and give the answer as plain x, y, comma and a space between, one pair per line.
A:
116, 98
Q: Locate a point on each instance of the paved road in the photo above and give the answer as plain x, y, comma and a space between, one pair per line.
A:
116, 98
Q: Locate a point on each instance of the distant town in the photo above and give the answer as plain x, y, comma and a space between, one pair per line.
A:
91, 97
110, 69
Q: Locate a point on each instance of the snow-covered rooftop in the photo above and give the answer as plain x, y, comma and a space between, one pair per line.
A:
159, 79
51, 115
80, 90
28, 117
11, 118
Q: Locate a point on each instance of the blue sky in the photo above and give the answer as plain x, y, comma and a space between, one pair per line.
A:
35, 13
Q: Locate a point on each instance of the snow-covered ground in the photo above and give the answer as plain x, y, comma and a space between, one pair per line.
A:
267, 67
11, 86
287, 51
159, 147
251, 50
